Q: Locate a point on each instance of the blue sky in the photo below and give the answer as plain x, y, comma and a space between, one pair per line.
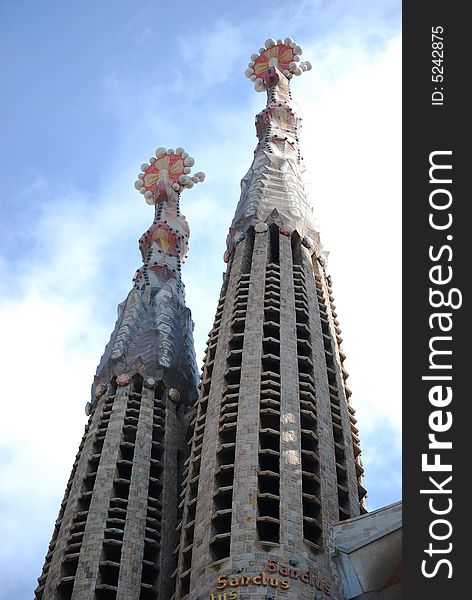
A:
91, 89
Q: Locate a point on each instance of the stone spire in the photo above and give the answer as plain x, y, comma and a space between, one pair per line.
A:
273, 190
153, 332
115, 534
274, 460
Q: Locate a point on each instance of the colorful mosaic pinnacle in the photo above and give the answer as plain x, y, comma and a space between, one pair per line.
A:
273, 188
168, 169
283, 54
154, 328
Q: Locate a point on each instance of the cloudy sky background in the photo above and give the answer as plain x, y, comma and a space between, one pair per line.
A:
91, 89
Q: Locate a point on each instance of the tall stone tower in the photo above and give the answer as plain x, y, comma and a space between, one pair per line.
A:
116, 531
274, 459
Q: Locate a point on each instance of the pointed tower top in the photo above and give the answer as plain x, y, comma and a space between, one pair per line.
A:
153, 332
283, 54
273, 188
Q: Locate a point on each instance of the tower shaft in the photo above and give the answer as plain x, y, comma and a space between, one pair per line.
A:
274, 457
116, 528
116, 532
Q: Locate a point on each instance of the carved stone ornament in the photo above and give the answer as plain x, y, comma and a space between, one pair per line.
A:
100, 390
261, 227
122, 380
308, 242
239, 237
174, 394
149, 382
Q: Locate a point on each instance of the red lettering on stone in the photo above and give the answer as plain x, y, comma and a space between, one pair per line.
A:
272, 565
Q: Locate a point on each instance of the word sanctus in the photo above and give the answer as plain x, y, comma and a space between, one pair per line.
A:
308, 577
223, 582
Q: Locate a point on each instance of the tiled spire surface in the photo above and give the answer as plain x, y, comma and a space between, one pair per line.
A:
153, 332
274, 183
115, 535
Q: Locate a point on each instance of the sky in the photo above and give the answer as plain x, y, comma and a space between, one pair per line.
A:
91, 89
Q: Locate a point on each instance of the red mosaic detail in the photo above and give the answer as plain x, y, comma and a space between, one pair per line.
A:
279, 55
168, 239
122, 380
163, 272
285, 231
164, 237
166, 169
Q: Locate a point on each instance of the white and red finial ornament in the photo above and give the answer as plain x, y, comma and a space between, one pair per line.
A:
283, 54
169, 168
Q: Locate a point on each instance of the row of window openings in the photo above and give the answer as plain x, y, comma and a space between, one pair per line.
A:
301, 305
268, 476
111, 551
190, 482
268, 493
74, 542
337, 427
110, 559
103, 422
225, 472
239, 314
311, 496
210, 351
224, 475
150, 564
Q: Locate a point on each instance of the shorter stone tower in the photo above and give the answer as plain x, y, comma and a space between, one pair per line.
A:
115, 535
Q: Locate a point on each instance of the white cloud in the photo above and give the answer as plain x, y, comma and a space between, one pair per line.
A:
351, 141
